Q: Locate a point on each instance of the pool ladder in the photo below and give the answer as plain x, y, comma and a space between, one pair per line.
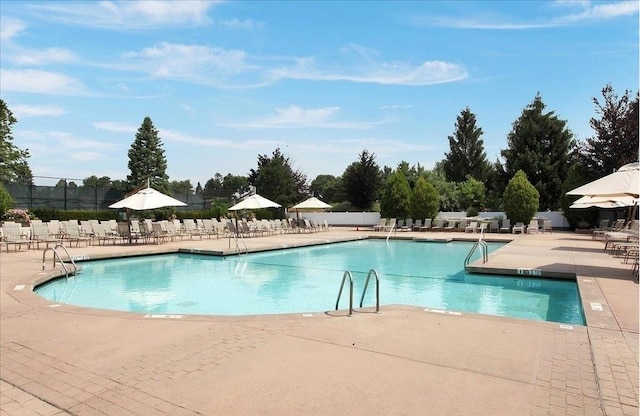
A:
56, 256
346, 275
484, 248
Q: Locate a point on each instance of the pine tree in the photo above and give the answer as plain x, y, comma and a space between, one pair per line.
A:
539, 144
362, 180
275, 179
147, 160
466, 155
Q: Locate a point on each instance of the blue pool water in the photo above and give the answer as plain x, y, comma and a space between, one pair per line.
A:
429, 275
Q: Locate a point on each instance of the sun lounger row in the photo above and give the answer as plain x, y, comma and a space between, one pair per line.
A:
622, 241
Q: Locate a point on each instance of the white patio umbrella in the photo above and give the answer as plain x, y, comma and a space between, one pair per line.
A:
624, 182
254, 202
311, 203
604, 202
147, 198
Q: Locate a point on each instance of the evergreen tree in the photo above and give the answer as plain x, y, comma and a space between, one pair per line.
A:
198, 189
521, 199
616, 134
395, 199
13, 161
147, 160
466, 155
275, 179
362, 180
425, 200
539, 144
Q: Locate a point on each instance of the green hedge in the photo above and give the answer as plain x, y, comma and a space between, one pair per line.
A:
47, 214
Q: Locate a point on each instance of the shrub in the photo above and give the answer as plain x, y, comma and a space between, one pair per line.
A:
22, 216
425, 200
6, 200
520, 200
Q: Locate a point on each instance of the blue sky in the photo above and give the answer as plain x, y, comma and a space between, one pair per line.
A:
226, 81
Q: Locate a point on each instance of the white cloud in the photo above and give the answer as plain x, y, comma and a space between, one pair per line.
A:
589, 12
174, 136
123, 15
9, 28
40, 82
44, 56
194, 63
116, 127
245, 24
24, 111
297, 117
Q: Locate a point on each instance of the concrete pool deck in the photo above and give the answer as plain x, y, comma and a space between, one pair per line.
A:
65, 360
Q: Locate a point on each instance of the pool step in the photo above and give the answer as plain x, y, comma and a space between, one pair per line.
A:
433, 239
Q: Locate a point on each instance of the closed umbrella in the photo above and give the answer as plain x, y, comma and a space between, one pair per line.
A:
147, 198
254, 202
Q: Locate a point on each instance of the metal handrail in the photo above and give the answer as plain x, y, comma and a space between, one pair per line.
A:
344, 277
375, 273
56, 255
484, 249
392, 229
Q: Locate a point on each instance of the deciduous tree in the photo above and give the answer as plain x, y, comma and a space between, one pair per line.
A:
425, 200
14, 166
615, 142
521, 199
395, 198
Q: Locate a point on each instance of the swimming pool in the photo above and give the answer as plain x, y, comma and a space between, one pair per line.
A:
299, 280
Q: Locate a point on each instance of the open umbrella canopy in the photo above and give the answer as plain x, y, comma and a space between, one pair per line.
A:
312, 203
147, 198
254, 202
624, 182
604, 202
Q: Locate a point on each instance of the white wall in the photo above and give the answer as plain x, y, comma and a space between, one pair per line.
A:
372, 218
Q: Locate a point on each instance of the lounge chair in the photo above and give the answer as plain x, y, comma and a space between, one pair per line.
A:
598, 233
451, 225
438, 225
506, 225
40, 234
381, 224
390, 225
416, 225
533, 227
462, 225
546, 226
408, 225
72, 233
12, 234
495, 225
427, 225
472, 227
518, 228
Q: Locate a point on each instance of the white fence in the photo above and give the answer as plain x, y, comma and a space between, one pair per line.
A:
369, 219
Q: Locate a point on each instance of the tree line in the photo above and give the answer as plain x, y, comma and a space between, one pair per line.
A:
539, 145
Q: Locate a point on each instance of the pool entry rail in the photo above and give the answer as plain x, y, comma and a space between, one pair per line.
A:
483, 248
366, 284
56, 256
344, 277
347, 274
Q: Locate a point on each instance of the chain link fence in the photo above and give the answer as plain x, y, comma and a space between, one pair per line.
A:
95, 198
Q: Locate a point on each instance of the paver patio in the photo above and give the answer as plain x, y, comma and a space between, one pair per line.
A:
65, 360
